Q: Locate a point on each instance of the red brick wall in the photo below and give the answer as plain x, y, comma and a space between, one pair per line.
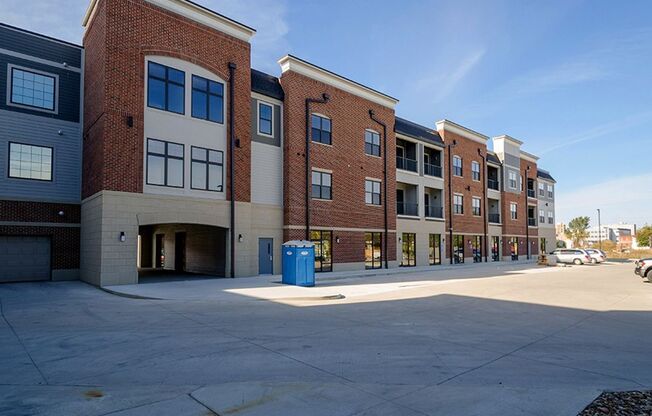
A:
346, 158
122, 33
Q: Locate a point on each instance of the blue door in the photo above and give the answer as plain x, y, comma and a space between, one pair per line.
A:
265, 256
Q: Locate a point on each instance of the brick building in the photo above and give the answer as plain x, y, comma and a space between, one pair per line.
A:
194, 162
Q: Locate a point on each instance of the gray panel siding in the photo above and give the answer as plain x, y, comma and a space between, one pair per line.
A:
66, 176
276, 140
18, 41
68, 89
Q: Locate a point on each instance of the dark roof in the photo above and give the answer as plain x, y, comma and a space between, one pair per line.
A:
492, 158
265, 84
29, 32
417, 131
545, 175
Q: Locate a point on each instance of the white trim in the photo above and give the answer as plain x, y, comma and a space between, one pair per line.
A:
509, 139
263, 97
462, 131
10, 87
291, 63
367, 178
58, 65
410, 139
322, 170
529, 157
260, 133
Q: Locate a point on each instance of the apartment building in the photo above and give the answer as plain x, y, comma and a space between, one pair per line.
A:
194, 162
40, 147
546, 197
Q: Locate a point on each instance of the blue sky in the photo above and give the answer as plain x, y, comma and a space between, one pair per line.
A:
572, 79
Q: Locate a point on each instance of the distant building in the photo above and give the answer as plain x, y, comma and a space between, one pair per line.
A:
621, 234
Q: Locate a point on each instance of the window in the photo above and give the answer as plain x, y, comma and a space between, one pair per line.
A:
551, 217
265, 116
458, 249
207, 99
321, 129
542, 245
542, 216
371, 143
513, 248
206, 169
475, 171
372, 192
457, 166
542, 191
165, 88
458, 204
164, 163
30, 162
408, 247
475, 206
513, 210
33, 89
321, 185
373, 250
434, 249
476, 248
323, 241
512, 179
550, 193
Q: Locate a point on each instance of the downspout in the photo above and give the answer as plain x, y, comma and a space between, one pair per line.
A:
232, 67
527, 218
323, 100
484, 202
450, 199
372, 116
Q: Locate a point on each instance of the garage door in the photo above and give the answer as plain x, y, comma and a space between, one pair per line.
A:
24, 258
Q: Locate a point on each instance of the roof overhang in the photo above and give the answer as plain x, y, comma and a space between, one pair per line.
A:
510, 139
193, 12
294, 64
529, 157
448, 125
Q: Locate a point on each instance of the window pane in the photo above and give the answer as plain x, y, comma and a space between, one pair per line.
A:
376, 187
156, 70
199, 83
156, 93
177, 76
367, 148
265, 112
175, 172
326, 192
198, 175
326, 137
376, 199
216, 109
216, 88
316, 136
367, 198
326, 125
326, 179
175, 98
198, 153
368, 186
155, 146
215, 156
199, 102
316, 178
215, 177
155, 170
316, 191
175, 149
265, 126
315, 122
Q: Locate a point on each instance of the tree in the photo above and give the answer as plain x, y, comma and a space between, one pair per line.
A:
561, 244
643, 236
577, 230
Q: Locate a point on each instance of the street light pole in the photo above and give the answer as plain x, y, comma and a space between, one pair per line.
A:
599, 230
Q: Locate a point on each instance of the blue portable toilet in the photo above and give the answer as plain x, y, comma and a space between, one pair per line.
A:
299, 263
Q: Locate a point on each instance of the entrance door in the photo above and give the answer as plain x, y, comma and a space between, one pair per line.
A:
159, 261
180, 252
409, 250
24, 258
265, 256
495, 248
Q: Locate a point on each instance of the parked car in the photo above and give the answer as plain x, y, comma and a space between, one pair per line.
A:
572, 256
597, 256
644, 268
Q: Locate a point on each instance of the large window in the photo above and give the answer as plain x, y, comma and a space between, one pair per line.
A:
164, 163
321, 185
206, 171
321, 129
513, 210
458, 249
373, 250
458, 204
551, 217
475, 171
434, 249
542, 216
457, 166
323, 250
207, 99
476, 248
495, 248
265, 117
30, 162
542, 191
475, 206
33, 89
372, 192
550, 193
512, 179
371, 143
409, 250
513, 248
165, 88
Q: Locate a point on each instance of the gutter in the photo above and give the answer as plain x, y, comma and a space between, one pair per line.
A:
372, 116
323, 100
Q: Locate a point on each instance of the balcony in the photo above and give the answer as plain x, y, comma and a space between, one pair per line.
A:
434, 212
532, 222
494, 218
404, 163
406, 208
493, 184
432, 170
531, 193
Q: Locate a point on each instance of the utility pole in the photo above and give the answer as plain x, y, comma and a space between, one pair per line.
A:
599, 230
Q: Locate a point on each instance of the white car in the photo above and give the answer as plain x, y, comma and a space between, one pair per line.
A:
572, 256
597, 256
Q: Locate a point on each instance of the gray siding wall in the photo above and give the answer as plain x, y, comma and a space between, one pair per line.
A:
41, 131
276, 140
38, 46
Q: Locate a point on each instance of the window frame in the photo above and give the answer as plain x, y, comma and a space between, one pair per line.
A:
321, 118
375, 237
209, 94
473, 206
321, 240
31, 145
321, 186
10, 89
208, 164
258, 118
542, 189
475, 173
165, 165
372, 134
457, 211
460, 167
551, 217
166, 81
551, 193
542, 216
372, 193
512, 177
513, 213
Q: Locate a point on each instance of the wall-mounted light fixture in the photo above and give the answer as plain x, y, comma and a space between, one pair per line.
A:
60, 132
240, 238
130, 121
61, 213
123, 237
337, 239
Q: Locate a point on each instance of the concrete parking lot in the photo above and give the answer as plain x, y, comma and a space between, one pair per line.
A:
478, 340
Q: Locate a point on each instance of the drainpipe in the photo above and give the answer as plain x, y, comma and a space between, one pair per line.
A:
232, 142
484, 202
450, 146
372, 116
323, 100
527, 218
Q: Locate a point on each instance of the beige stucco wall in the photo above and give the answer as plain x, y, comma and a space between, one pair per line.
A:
422, 228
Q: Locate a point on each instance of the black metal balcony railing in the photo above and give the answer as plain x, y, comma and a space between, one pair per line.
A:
494, 218
405, 208
493, 184
531, 193
432, 170
435, 212
406, 164
532, 222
